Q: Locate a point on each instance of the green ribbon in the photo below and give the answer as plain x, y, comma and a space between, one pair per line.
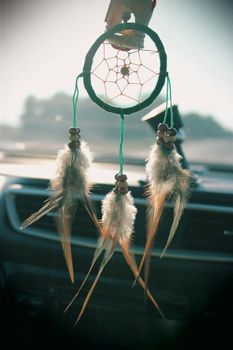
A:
75, 100
169, 97
122, 131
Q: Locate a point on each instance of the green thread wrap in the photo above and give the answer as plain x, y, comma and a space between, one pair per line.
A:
169, 97
75, 100
122, 131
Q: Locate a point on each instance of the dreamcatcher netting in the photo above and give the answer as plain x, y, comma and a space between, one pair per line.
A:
124, 71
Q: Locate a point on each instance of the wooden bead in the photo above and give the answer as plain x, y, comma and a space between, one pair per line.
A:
73, 144
160, 133
74, 137
172, 131
74, 131
121, 177
162, 127
125, 71
169, 138
120, 190
121, 184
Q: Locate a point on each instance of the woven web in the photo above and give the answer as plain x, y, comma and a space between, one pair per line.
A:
124, 78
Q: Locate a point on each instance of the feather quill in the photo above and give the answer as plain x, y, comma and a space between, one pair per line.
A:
118, 216
166, 179
69, 185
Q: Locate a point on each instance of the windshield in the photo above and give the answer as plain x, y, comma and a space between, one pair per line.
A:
43, 48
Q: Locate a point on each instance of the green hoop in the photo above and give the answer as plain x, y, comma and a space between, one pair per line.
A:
89, 60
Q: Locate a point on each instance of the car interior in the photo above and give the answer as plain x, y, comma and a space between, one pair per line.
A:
192, 282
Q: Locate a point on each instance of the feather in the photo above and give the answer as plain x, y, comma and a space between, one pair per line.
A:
118, 216
70, 184
167, 179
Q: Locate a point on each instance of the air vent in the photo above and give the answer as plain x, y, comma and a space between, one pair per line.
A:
26, 201
204, 233
209, 231
23, 202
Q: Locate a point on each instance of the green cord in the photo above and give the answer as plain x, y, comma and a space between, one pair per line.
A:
127, 4
169, 97
122, 131
171, 106
166, 110
75, 100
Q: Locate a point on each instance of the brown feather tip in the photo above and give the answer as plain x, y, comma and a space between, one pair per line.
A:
130, 259
154, 214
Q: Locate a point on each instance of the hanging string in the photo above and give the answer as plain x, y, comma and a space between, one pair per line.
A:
75, 100
171, 106
122, 131
169, 98
127, 4
166, 110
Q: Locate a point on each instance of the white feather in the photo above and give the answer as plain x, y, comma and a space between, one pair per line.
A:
165, 173
81, 161
119, 214
70, 182
166, 177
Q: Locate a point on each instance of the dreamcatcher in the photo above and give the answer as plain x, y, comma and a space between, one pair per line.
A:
124, 71
122, 78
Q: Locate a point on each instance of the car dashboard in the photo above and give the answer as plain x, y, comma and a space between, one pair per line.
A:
192, 283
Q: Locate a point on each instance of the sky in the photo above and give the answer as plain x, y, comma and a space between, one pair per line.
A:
43, 46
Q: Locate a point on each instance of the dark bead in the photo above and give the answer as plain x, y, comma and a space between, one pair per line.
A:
74, 137
160, 134
120, 177
162, 127
126, 16
74, 131
172, 131
73, 144
121, 184
123, 190
125, 71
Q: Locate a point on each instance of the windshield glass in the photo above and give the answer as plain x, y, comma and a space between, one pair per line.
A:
43, 48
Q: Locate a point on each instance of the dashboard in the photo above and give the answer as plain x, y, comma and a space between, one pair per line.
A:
192, 283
